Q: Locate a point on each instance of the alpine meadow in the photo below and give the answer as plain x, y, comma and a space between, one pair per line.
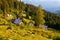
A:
24, 21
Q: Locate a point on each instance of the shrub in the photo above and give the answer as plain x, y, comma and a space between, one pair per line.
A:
57, 38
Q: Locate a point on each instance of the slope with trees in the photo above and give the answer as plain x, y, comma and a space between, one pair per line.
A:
14, 9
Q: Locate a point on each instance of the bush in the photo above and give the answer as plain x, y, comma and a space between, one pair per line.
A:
57, 38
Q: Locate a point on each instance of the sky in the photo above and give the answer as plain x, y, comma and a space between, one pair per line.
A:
49, 5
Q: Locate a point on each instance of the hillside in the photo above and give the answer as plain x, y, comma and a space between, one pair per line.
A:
14, 32
52, 20
20, 21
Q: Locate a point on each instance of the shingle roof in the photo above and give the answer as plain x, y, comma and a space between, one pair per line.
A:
17, 21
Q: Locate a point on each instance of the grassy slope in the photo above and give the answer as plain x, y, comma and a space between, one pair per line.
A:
10, 31
25, 32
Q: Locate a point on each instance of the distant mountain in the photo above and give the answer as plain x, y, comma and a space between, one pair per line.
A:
54, 11
58, 11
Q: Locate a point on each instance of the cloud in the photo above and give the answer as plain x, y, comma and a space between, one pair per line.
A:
30, 0
20, 0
